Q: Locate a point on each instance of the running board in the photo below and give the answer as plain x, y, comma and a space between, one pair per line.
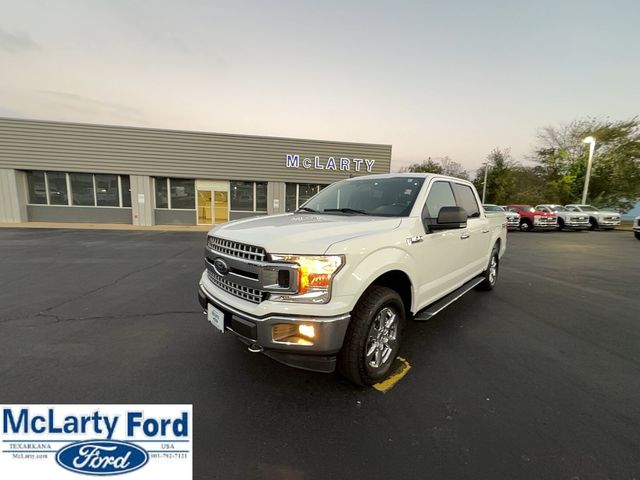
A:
444, 302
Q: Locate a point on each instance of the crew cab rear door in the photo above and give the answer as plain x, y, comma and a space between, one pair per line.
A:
477, 235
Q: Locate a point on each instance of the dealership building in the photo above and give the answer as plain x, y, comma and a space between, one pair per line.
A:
70, 172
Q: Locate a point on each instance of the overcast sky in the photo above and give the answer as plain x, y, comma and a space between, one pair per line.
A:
439, 78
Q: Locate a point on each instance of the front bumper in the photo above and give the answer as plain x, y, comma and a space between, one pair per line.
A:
258, 332
545, 226
609, 223
577, 225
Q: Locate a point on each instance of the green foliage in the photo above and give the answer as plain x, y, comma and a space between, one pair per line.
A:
615, 175
441, 166
561, 157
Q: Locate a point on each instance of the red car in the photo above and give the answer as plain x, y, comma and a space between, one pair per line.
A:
531, 219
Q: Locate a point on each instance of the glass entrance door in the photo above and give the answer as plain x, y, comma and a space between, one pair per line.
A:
221, 206
204, 207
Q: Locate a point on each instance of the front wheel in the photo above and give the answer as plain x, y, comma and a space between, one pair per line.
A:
373, 337
526, 226
637, 234
490, 275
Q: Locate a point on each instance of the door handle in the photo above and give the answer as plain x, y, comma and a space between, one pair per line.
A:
485, 231
464, 236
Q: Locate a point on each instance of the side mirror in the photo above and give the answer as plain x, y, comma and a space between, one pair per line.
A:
450, 218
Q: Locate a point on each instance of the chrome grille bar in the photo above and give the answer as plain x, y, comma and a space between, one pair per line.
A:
240, 291
237, 249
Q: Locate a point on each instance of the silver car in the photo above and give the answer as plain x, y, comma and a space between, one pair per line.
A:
513, 218
597, 218
636, 227
566, 218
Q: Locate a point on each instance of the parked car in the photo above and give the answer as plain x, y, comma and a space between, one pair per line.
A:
566, 218
604, 219
531, 219
332, 284
513, 217
636, 227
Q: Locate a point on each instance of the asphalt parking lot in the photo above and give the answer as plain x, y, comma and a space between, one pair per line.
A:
537, 379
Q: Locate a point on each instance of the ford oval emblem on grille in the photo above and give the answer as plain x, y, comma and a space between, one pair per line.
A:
221, 267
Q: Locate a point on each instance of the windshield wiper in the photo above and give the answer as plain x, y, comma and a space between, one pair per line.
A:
306, 209
346, 210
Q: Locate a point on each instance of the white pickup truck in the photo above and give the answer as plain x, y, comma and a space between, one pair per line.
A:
333, 283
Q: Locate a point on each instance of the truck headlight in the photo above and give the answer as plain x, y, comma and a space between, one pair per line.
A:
315, 275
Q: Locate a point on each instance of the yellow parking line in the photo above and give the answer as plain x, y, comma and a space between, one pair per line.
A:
394, 378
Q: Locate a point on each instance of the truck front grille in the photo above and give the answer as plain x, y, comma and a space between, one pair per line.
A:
237, 249
250, 294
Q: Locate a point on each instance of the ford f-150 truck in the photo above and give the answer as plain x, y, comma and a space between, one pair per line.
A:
332, 284
566, 217
597, 218
531, 219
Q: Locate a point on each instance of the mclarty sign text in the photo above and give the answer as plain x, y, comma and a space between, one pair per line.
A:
330, 163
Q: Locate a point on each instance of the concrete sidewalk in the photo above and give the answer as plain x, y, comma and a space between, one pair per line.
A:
109, 226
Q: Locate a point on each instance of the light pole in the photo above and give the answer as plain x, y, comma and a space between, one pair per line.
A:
484, 185
592, 145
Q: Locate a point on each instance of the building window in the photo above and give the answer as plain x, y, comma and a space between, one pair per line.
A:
125, 190
107, 192
248, 196
78, 189
57, 183
82, 192
175, 193
37, 188
298, 193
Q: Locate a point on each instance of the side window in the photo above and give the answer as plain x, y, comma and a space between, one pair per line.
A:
466, 199
439, 196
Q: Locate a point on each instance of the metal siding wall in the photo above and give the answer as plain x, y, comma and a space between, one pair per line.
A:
40, 145
276, 191
175, 217
142, 212
10, 209
65, 214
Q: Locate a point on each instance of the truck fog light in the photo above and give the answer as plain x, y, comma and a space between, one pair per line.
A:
308, 331
292, 333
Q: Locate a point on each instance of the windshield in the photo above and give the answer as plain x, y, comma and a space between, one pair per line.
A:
493, 208
385, 197
558, 208
589, 207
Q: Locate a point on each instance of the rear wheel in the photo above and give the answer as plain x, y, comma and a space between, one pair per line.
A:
491, 273
637, 234
593, 224
560, 224
373, 337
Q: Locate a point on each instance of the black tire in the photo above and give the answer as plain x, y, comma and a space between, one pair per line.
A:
560, 224
637, 235
593, 223
491, 277
526, 226
352, 359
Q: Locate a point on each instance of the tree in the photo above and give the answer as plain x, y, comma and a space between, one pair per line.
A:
615, 177
442, 166
501, 177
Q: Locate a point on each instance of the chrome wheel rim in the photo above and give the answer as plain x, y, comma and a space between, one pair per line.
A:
493, 270
382, 338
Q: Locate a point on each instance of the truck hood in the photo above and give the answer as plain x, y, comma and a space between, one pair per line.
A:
302, 233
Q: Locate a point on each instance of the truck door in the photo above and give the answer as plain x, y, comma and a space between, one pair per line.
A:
477, 235
441, 267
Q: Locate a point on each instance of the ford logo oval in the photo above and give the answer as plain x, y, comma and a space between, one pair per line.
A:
220, 267
102, 457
